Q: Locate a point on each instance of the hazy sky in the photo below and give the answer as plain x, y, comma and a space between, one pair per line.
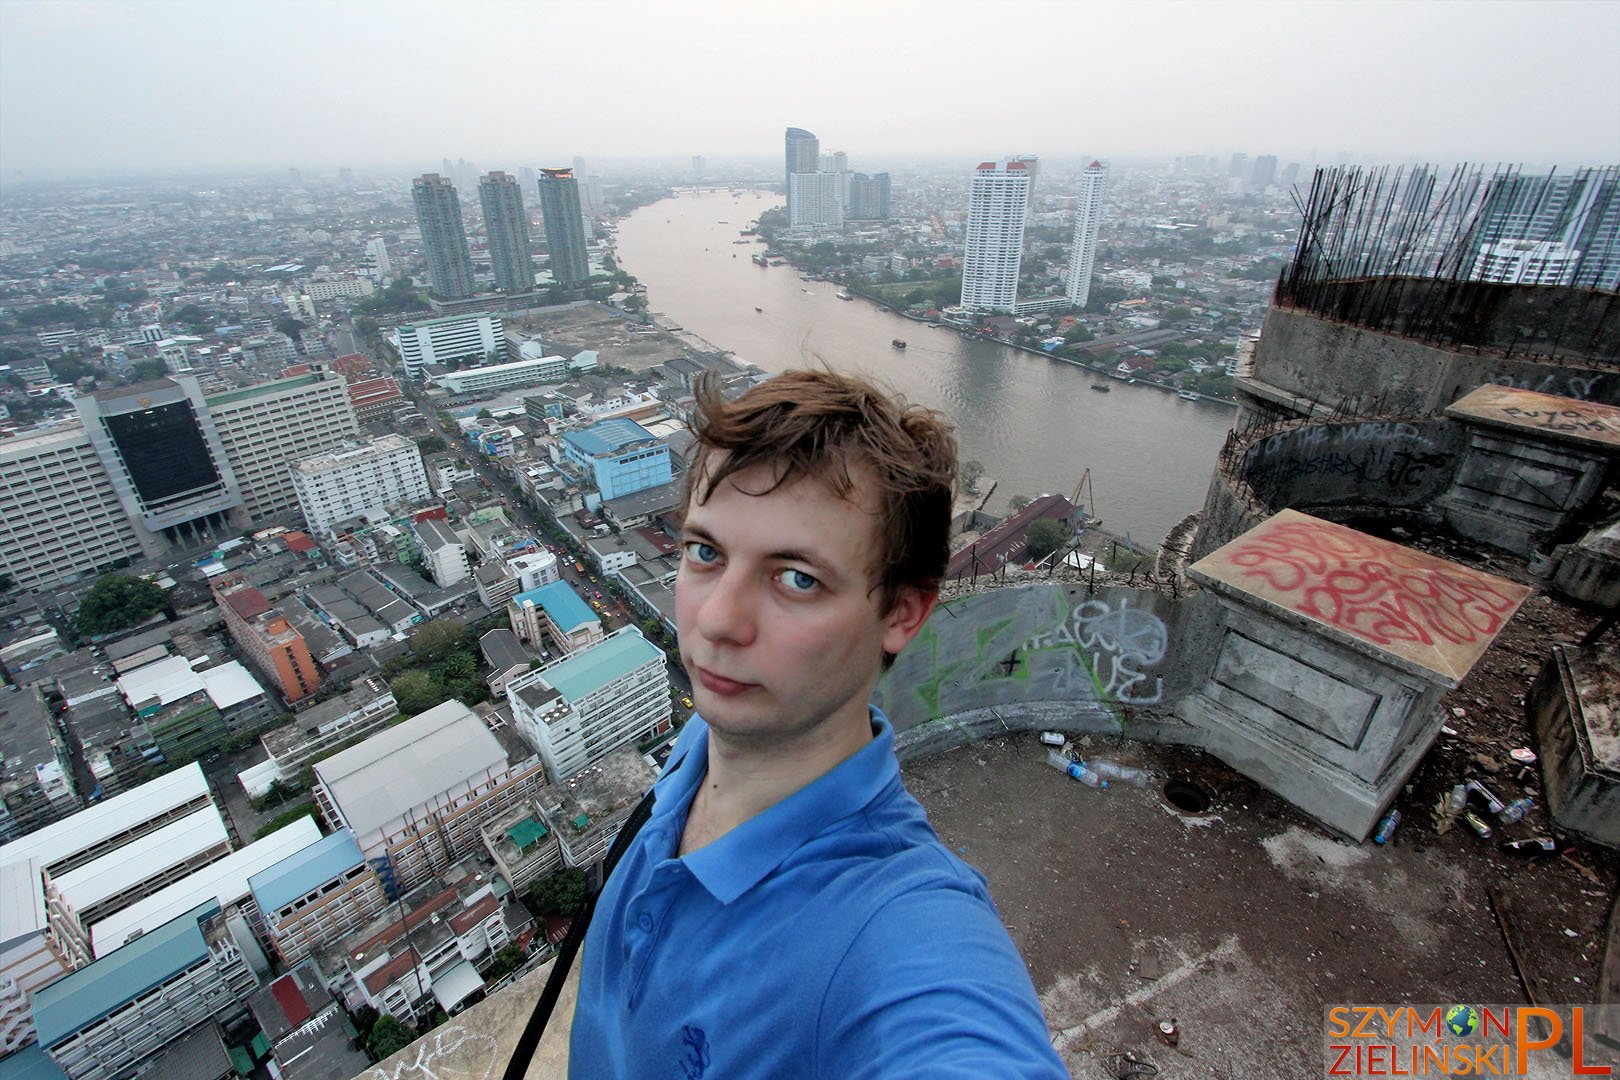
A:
155, 84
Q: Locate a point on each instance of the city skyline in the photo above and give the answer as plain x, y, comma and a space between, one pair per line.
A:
1331, 78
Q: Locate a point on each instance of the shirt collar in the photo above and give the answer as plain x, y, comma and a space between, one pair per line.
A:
739, 860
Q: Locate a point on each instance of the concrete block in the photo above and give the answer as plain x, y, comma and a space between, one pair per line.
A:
1574, 708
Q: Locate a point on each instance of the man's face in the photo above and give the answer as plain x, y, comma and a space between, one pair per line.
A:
779, 623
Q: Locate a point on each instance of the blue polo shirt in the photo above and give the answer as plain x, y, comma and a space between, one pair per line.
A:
832, 935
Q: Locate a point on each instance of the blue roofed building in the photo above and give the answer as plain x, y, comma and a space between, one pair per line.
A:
318, 896
108, 1017
578, 709
622, 456
554, 613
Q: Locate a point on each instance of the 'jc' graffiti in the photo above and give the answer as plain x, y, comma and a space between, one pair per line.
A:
1122, 644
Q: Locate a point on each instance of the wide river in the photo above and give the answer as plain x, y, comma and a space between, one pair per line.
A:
1035, 423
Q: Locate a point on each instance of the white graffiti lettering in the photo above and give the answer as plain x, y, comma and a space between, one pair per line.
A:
1123, 644
455, 1050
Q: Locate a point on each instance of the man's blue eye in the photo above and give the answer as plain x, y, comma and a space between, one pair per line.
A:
798, 580
698, 551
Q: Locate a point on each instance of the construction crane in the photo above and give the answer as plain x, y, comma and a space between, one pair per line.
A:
1089, 516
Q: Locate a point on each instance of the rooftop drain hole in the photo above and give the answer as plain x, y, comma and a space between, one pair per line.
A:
1187, 796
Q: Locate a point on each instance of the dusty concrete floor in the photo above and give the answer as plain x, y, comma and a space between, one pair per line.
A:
1244, 923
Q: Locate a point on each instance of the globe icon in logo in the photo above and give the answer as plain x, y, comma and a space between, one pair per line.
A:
1462, 1020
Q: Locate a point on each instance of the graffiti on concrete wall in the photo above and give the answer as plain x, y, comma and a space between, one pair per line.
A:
1391, 457
450, 1053
1030, 644
1559, 383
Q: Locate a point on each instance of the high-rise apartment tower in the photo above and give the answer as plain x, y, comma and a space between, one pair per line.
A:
803, 156
508, 229
1083, 248
998, 205
565, 230
444, 237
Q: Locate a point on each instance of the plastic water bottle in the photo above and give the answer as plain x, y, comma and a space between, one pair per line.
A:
1457, 801
1386, 826
1515, 810
1075, 769
1113, 770
1536, 845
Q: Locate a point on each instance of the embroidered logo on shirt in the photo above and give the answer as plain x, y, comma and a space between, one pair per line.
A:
696, 1061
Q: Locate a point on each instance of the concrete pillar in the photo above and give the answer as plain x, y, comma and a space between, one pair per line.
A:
1335, 648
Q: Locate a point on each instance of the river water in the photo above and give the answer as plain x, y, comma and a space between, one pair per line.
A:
1035, 423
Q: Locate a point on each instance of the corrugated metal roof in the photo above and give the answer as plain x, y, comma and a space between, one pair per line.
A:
92, 992
304, 870
227, 881
143, 858
22, 901
404, 766
566, 609
609, 436
65, 838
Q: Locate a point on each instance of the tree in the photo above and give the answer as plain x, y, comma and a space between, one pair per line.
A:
969, 472
148, 369
117, 601
561, 894
436, 639
219, 273
388, 1037
289, 326
433, 444
1044, 537
485, 414
193, 318
1018, 502
415, 691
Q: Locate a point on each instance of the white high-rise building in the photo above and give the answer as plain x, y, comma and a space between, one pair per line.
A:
1083, 249
339, 484
817, 199
998, 205
375, 264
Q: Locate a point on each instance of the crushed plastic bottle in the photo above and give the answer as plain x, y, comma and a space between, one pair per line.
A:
1536, 845
1515, 810
1075, 769
1113, 770
1386, 826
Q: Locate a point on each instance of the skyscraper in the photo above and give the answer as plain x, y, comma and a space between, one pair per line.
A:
1083, 249
508, 229
815, 199
565, 230
444, 237
803, 156
869, 197
998, 204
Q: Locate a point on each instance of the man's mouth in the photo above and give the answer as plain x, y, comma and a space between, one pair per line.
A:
722, 686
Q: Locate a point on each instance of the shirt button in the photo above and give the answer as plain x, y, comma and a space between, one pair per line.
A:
645, 922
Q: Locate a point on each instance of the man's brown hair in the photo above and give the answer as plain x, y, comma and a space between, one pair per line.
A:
820, 424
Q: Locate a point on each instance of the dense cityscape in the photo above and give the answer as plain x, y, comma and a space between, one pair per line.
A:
338, 538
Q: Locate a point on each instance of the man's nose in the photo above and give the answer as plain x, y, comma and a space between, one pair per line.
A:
727, 612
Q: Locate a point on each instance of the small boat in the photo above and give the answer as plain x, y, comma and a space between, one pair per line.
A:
1189, 395
760, 310
846, 295
897, 343
1101, 388
759, 259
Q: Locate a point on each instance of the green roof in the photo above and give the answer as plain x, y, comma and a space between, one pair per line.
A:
241, 1061
525, 833
588, 670
581, 821
260, 1045
67, 1005
263, 388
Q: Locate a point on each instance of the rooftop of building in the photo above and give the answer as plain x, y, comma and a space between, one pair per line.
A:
78, 832
143, 858
304, 869
609, 437
561, 603
502, 649
22, 901
408, 764
614, 783
437, 534
227, 880
351, 453
95, 990
248, 393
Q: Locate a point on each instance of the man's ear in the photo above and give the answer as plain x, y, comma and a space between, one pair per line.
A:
911, 609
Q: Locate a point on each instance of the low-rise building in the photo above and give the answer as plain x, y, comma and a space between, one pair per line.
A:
359, 479
105, 1019
506, 657
580, 708
267, 638
31, 954
416, 794
317, 897
554, 613
305, 1027
443, 553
